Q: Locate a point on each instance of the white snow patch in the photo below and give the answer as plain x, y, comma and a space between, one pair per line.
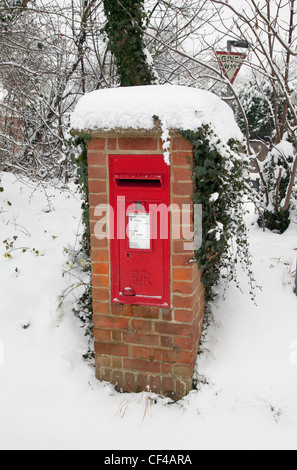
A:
177, 107
214, 197
284, 148
50, 398
2, 93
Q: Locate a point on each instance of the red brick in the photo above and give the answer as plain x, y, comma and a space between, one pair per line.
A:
174, 356
111, 144
100, 294
116, 362
114, 323
184, 316
111, 349
142, 365
140, 311
201, 291
98, 158
166, 369
103, 374
182, 387
173, 329
99, 186
166, 314
99, 256
195, 354
178, 246
181, 201
180, 287
183, 302
103, 362
180, 143
141, 383
182, 260
168, 386
146, 340
129, 382
116, 309
101, 308
183, 343
182, 174
94, 201
201, 313
183, 246
166, 341
179, 189
102, 335
141, 353
141, 143
182, 370
142, 326
100, 268
183, 159
116, 336
127, 310
97, 144
155, 383
99, 280
183, 274
97, 172
189, 246
95, 241
117, 378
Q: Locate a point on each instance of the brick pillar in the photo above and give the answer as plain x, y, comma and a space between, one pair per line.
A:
141, 348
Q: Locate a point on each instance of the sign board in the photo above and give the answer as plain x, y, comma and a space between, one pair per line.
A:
231, 63
139, 231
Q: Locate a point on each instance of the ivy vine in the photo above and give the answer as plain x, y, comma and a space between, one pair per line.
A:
126, 41
81, 161
84, 310
220, 187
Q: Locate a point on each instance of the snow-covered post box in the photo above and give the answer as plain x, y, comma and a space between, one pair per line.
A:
148, 298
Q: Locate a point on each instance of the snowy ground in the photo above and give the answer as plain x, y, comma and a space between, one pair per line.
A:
50, 398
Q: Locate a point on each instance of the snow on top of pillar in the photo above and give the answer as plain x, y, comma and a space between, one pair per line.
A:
177, 107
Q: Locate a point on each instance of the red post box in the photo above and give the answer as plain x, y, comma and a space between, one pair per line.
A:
140, 246
148, 297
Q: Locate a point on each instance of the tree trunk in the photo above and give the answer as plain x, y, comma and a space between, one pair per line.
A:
126, 41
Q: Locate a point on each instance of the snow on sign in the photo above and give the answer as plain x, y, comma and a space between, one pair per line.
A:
231, 63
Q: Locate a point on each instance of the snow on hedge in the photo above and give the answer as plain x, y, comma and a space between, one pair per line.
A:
177, 107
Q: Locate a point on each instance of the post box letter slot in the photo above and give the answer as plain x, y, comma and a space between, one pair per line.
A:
138, 182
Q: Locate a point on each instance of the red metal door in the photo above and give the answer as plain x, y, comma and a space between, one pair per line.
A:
140, 250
